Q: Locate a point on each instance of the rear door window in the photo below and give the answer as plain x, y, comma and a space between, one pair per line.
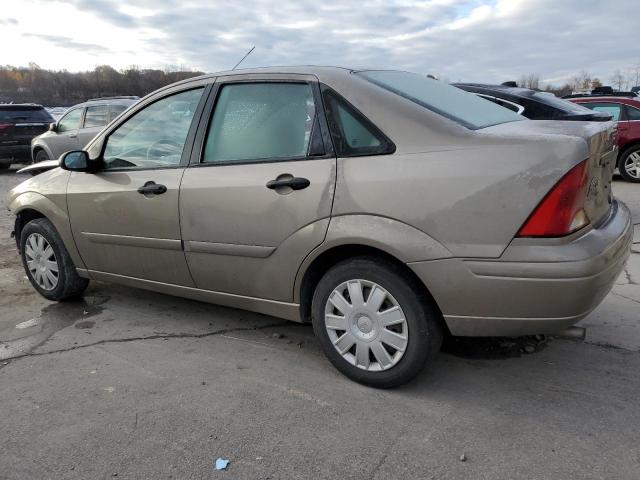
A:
96, 116
115, 110
261, 121
632, 113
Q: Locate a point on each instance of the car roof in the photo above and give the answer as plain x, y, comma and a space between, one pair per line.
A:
324, 73
125, 100
20, 106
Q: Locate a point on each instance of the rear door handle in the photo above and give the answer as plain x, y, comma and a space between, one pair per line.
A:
295, 183
152, 188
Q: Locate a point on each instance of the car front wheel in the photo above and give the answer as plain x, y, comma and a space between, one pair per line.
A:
41, 156
373, 323
629, 165
47, 262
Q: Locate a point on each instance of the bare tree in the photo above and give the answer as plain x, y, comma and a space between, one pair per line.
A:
581, 81
618, 80
531, 80
633, 77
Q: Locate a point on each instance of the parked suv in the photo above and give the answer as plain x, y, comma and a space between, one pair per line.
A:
19, 123
385, 207
625, 111
78, 126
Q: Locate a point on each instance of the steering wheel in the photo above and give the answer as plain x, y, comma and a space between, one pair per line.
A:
162, 148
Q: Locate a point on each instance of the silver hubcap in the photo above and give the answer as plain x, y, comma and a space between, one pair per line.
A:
366, 325
41, 261
632, 165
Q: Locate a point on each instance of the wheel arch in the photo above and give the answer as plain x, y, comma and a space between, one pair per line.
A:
29, 205
40, 146
625, 148
23, 217
331, 256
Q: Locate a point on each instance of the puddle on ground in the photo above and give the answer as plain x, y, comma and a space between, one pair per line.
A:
494, 347
52, 318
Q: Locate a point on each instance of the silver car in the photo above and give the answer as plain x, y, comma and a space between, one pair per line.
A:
77, 126
385, 207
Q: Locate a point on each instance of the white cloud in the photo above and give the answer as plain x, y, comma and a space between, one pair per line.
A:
474, 40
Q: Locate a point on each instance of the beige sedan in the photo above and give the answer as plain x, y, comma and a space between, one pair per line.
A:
385, 207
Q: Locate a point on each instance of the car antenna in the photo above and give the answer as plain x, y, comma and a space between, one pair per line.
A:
245, 56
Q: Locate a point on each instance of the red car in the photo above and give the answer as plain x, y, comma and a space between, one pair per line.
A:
626, 111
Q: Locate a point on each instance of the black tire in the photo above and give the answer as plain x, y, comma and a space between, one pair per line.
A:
422, 319
69, 284
623, 159
41, 156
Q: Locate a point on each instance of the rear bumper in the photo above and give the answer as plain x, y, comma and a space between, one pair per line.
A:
17, 152
536, 286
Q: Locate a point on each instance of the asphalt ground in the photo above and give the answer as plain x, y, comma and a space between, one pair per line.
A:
134, 384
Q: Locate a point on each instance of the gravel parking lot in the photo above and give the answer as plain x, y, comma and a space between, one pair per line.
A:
133, 384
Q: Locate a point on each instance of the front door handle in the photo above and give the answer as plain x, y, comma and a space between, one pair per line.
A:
295, 183
152, 188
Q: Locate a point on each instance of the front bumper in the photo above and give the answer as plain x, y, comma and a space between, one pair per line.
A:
536, 286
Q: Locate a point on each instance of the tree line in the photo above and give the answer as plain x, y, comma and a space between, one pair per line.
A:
620, 80
61, 88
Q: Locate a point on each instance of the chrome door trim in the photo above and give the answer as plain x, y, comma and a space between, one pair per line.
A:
131, 241
256, 251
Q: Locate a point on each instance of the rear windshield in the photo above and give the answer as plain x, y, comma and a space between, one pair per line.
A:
564, 105
463, 107
18, 115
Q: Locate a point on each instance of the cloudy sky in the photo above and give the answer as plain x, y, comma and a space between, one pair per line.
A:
474, 40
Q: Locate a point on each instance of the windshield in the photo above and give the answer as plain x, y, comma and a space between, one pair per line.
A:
463, 107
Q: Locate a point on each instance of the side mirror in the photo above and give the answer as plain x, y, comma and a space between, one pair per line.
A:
53, 127
76, 161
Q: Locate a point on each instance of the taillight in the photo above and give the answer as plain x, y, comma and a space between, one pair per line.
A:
561, 212
4, 125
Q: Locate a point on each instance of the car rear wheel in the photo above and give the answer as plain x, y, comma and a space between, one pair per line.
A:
629, 165
373, 323
41, 156
47, 262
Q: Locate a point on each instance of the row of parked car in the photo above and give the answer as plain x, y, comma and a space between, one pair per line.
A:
600, 105
19, 124
28, 132
386, 208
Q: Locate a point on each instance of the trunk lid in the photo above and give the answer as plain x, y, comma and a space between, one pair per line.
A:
601, 155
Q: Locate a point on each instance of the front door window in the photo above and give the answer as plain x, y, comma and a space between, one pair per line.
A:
155, 136
71, 121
